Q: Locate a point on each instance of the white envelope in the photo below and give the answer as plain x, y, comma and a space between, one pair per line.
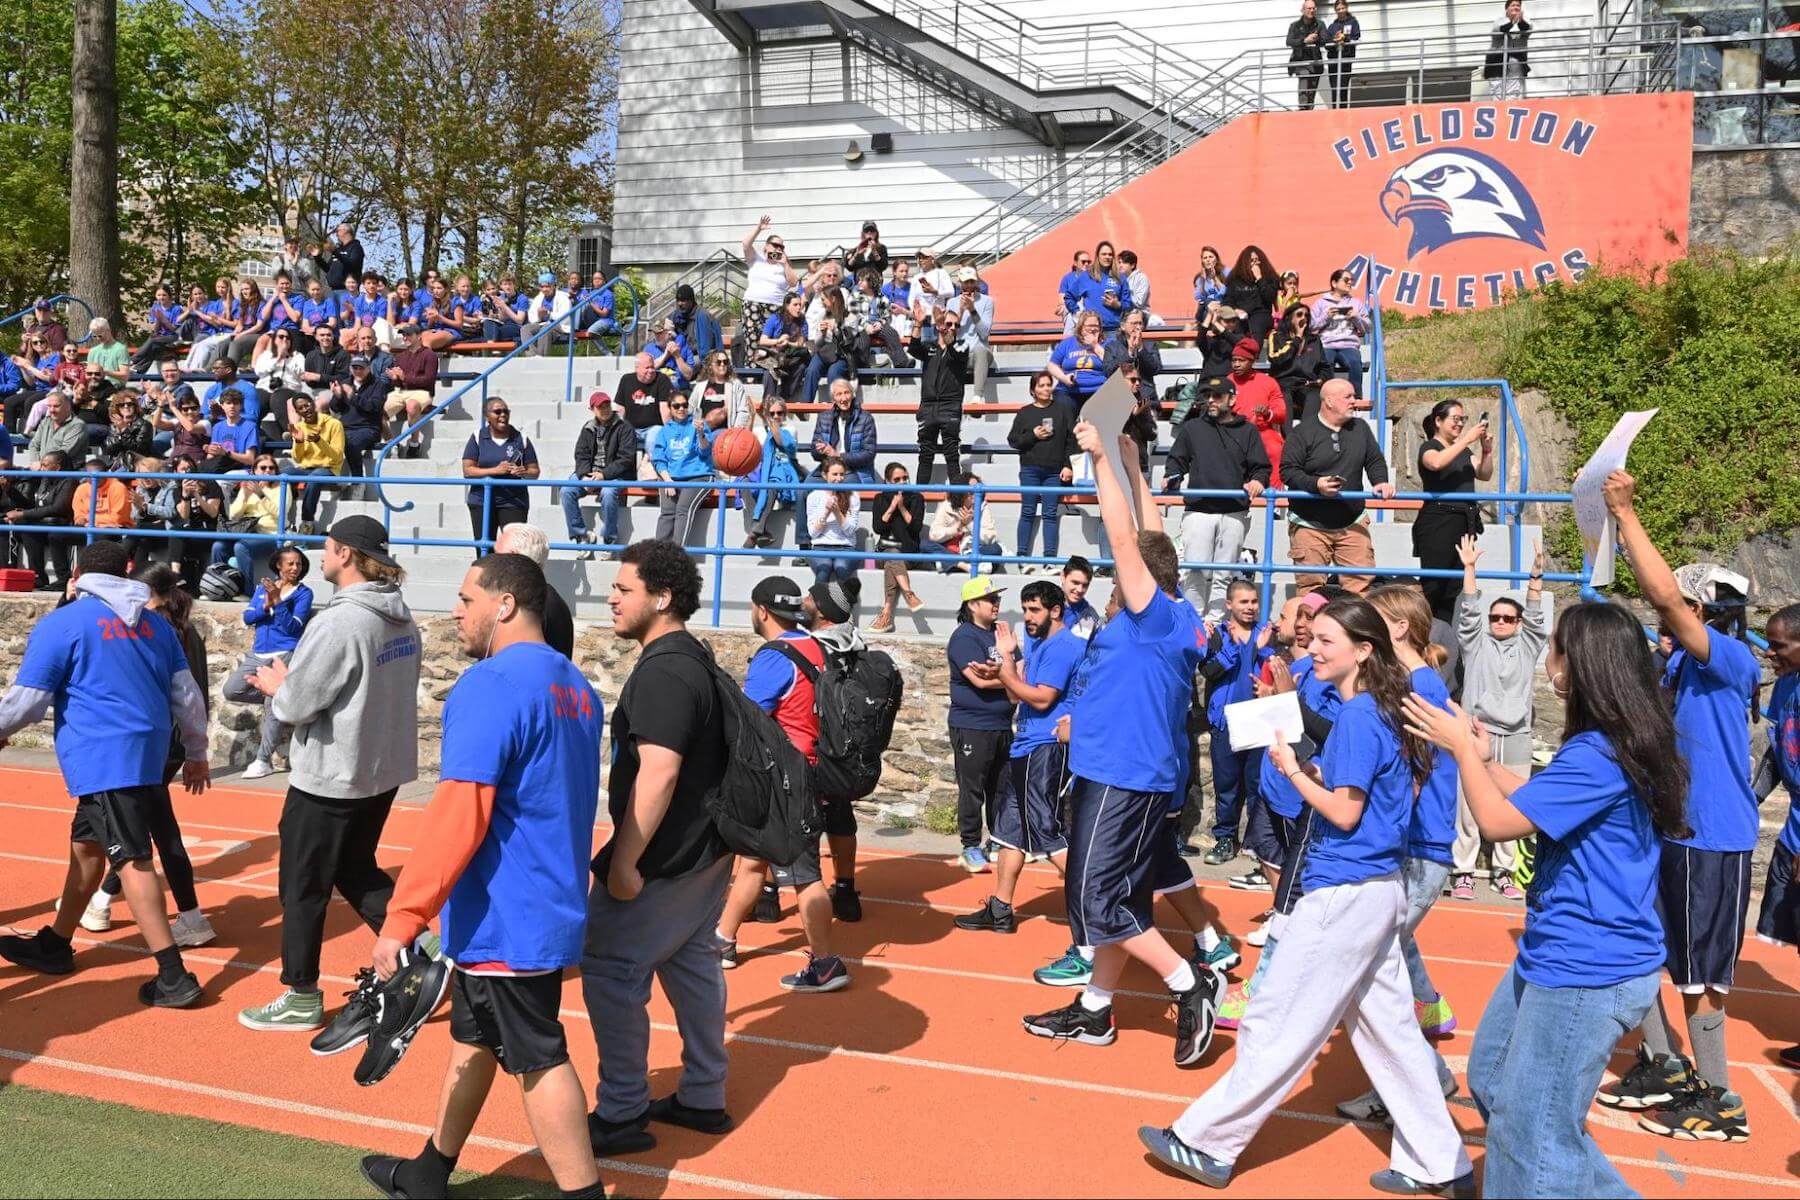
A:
1255, 724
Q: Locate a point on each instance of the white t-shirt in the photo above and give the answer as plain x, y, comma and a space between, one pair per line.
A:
766, 282
940, 279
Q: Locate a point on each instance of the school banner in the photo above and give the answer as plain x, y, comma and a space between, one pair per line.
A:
1448, 206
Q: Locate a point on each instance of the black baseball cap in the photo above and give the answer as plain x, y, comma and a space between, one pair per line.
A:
365, 535
1217, 385
780, 595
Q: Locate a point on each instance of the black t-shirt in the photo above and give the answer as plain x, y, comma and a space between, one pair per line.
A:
670, 701
1458, 475
708, 396
559, 623
642, 402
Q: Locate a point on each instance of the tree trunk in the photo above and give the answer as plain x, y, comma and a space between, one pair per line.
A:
94, 161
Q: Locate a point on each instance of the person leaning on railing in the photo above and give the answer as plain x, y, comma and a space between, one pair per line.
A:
1329, 454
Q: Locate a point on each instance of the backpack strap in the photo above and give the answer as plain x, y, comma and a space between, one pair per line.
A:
787, 650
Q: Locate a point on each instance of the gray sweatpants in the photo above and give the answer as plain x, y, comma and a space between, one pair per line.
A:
1510, 750
668, 932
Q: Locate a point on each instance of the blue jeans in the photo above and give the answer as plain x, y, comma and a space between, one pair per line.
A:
603, 325
817, 370
1424, 884
1349, 360
1234, 781
827, 569
1035, 508
495, 330
610, 499
1539, 1054
309, 499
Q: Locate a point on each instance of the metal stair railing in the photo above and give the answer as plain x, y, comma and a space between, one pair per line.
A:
60, 298
717, 279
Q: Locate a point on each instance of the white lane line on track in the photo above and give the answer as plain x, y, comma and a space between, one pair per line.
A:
277, 1104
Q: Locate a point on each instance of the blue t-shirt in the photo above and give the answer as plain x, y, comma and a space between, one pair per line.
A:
1712, 728
165, 317
366, 310
1362, 752
6, 446
1590, 911
252, 398
1433, 829
1241, 661
528, 724
972, 707
1049, 662
1784, 741
110, 684
1085, 364
1129, 702
242, 437
412, 312
318, 312
1277, 789
277, 316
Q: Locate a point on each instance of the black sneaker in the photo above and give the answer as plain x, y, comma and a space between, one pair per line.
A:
620, 1137
1252, 880
159, 993
350, 1028
46, 955
402, 1006
1223, 851
1790, 1057
989, 918
768, 907
1701, 1114
846, 903
671, 1111
1650, 1082
1187, 849
1195, 1011
1074, 1024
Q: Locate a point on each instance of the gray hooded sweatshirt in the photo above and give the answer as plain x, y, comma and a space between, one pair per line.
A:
352, 695
1498, 673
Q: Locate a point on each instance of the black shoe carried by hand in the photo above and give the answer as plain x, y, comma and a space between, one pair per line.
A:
846, 903
351, 1027
402, 1005
671, 1111
46, 953
163, 993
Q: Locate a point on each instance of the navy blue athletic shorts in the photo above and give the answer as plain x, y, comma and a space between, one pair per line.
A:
1112, 859
1704, 900
1028, 811
1779, 921
1171, 872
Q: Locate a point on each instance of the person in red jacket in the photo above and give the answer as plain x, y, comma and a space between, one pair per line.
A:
1260, 402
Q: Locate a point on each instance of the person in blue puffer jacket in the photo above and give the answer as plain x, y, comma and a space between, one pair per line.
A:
278, 611
683, 454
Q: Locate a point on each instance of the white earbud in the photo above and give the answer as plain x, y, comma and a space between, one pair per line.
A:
662, 604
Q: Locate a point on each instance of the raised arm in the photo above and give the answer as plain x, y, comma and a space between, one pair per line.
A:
1652, 570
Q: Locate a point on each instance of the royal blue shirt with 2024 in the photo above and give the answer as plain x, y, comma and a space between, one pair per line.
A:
526, 723
1784, 741
972, 707
1049, 662
1129, 702
1362, 752
1432, 832
1590, 911
1712, 728
110, 684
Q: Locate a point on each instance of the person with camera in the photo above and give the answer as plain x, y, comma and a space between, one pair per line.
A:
198, 505
768, 279
869, 254
940, 410
1456, 453
1329, 454
974, 311
1342, 321
783, 348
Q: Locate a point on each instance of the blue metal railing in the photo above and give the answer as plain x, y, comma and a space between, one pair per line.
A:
572, 319
60, 298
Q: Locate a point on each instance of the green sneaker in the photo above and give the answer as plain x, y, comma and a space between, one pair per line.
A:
1435, 1019
298, 1011
1071, 970
1222, 957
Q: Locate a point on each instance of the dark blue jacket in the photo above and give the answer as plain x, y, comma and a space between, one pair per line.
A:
701, 329
856, 440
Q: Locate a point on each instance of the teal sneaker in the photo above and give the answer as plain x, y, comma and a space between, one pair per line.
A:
297, 1011
1071, 970
1222, 957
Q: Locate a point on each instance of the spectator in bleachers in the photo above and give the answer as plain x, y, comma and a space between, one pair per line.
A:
1260, 402
930, 291
899, 525
783, 350
1296, 360
953, 521
1330, 454
1209, 282
248, 325
1508, 57
831, 340
367, 309
1137, 284
161, 395
869, 254
1252, 287
1341, 37
302, 263
280, 376
824, 278
317, 448
407, 307
344, 263
671, 355
780, 465
90, 394
1455, 454
1069, 289
1105, 292
1221, 329
974, 326
128, 435
226, 383
599, 306
498, 451
605, 449
543, 309
37, 366
280, 311
61, 431
898, 294
768, 280
846, 432
940, 410
254, 508
1077, 363
698, 327
43, 322
720, 396
466, 310
44, 501
164, 330
318, 311
1305, 41
216, 327
1215, 449
362, 341
233, 437
643, 397
144, 494
1043, 432
107, 352
199, 504
188, 429
1342, 319
1287, 295
831, 521
411, 375
1129, 347
502, 310
112, 510
873, 319
362, 407
683, 454
439, 328
327, 370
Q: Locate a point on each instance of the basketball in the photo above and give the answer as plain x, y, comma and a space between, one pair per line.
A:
736, 452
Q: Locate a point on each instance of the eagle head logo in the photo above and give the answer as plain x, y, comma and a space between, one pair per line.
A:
1449, 195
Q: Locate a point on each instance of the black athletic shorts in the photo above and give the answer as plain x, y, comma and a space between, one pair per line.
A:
1028, 812
1113, 851
512, 1016
1171, 872
119, 821
1704, 897
1779, 921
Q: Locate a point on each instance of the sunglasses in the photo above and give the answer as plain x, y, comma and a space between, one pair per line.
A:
776, 246
678, 406
499, 412
1502, 619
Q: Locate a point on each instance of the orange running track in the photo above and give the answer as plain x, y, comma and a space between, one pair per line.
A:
917, 1080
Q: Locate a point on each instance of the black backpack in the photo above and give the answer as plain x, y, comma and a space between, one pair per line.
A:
763, 806
857, 697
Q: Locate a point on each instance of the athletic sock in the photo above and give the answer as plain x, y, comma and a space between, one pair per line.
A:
1086, 952
1182, 978
1096, 999
1207, 939
1659, 1039
595, 1190
426, 1175
168, 964
999, 906
1706, 1034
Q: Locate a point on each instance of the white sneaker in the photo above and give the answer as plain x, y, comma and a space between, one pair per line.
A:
191, 931
258, 770
97, 916
1256, 937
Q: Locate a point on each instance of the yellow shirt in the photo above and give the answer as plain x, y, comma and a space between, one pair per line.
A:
318, 443
263, 506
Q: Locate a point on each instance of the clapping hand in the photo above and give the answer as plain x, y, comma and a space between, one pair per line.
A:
1005, 640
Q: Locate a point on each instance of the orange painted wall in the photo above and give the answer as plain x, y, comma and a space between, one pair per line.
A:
1442, 196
